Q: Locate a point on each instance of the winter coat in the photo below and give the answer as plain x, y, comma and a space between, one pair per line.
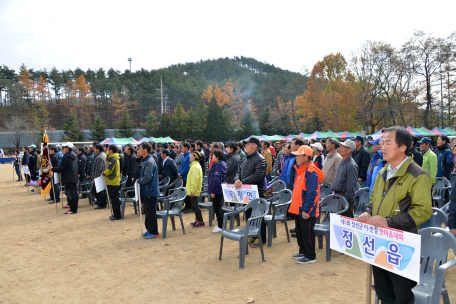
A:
25, 159
268, 157
184, 166
173, 154
139, 161
376, 158
203, 161
178, 160
232, 164
69, 168
278, 162
253, 171
131, 168
148, 180
112, 172
99, 165
331, 166
32, 161
168, 169
286, 169
444, 161
194, 179
417, 157
81, 164
55, 160
405, 199
430, 164
215, 177
362, 160
89, 163
318, 160
125, 163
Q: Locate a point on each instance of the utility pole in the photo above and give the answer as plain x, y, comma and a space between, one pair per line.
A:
130, 60
161, 94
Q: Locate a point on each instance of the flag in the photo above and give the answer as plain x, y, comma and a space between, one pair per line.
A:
46, 184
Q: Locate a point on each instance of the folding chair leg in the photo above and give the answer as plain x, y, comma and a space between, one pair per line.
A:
182, 223
261, 247
328, 248
286, 229
211, 215
274, 229
165, 226
173, 223
123, 210
238, 218
320, 241
242, 254
270, 228
221, 248
446, 299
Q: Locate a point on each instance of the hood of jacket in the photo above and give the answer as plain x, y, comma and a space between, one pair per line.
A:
221, 166
115, 155
444, 147
71, 155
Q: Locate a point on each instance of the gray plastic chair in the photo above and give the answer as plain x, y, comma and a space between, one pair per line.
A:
124, 198
446, 207
335, 204
277, 186
206, 205
438, 190
88, 190
279, 205
452, 179
325, 190
275, 179
227, 209
435, 244
362, 198
177, 183
173, 207
259, 208
164, 181
437, 218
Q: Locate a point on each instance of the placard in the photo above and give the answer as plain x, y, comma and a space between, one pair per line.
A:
243, 195
56, 178
25, 169
394, 250
137, 192
100, 183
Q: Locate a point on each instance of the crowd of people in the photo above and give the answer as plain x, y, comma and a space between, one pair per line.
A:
399, 177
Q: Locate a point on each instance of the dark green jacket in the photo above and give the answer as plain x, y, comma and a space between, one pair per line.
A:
405, 200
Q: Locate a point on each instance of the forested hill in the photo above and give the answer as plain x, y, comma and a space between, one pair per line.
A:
262, 83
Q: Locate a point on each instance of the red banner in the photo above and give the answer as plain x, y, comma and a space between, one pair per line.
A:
46, 184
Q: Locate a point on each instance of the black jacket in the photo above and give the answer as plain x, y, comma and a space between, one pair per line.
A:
55, 159
232, 164
125, 164
25, 158
173, 154
32, 161
81, 164
69, 168
203, 161
139, 161
89, 162
253, 171
417, 157
362, 160
131, 167
168, 169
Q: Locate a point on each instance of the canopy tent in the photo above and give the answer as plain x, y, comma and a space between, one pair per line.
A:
301, 135
163, 140
357, 133
437, 131
377, 134
344, 135
330, 134
316, 135
120, 141
289, 137
425, 132
450, 132
414, 132
275, 138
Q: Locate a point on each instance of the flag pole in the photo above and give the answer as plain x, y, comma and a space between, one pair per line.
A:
20, 175
53, 191
139, 208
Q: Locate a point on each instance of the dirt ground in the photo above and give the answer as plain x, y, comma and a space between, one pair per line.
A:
113, 264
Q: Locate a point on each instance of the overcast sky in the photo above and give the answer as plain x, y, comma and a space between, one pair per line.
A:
288, 34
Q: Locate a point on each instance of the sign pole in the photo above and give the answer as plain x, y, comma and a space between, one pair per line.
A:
369, 284
20, 175
140, 211
53, 191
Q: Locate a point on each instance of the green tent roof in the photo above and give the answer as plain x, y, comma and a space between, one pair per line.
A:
450, 132
423, 131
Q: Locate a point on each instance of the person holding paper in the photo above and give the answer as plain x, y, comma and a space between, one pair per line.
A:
98, 167
55, 160
69, 169
17, 165
401, 199
112, 174
149, 190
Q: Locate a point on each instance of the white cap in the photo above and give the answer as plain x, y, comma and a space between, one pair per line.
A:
318, 146
69, 145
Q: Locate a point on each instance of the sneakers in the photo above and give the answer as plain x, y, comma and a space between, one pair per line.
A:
146, 233
152, 236
292, 230
305, 260
293, 234
69, 212
194, 223
217, 229
49, 199
298, 256
198, 224
256, 244
66, 207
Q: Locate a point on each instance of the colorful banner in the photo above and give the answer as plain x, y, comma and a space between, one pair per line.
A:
393, 250
243, 195
46, 184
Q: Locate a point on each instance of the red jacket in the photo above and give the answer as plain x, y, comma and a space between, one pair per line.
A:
273, 151
306, 192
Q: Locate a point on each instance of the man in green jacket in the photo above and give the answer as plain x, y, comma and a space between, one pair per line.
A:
429, 158
112, 174
194, 185
401, 199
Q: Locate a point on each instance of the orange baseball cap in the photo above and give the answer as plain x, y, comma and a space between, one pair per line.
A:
303, 150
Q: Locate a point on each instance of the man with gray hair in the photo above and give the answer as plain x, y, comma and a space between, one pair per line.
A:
332, 162
347, 176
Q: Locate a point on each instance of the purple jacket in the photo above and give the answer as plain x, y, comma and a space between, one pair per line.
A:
215, 177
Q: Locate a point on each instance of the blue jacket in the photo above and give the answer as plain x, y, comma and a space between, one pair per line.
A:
452, 216
444, 161
215, 177
286, 169
375, 161
291, 175
377, 169
149, 178
61, 156
184, 166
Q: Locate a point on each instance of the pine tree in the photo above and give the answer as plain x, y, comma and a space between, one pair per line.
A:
71, 130
215, 124
165, 125
265, 126
247, 128
179, 122
97, 130
150, 125
124, 126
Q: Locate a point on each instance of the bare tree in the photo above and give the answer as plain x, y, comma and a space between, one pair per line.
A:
15, 128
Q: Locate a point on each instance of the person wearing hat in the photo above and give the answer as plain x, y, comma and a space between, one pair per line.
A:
332, 161
417, 157
194, 185
318, 158
376, 158
347, 176
305, 203
369, 145
362, 158
33, 160
429, 158
68, 168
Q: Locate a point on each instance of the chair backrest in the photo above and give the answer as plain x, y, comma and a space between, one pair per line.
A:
325, 190
283, 198
177, 183
446, 208
259, 207
164, 181
452, 178
438, 217
278, 186
335, 203
435, 243
275, 179
177, 197
205, 180
357, 186
362, 197
123, 181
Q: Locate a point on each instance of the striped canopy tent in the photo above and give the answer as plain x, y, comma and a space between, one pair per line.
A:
256, 136
450, 131
437, 131
330, 134
357, 133
425, 132
289, 137
301, 135
344, 135
120, 141
275, 138
414, 132
316, 135
163, 140
264, 138
377, 134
